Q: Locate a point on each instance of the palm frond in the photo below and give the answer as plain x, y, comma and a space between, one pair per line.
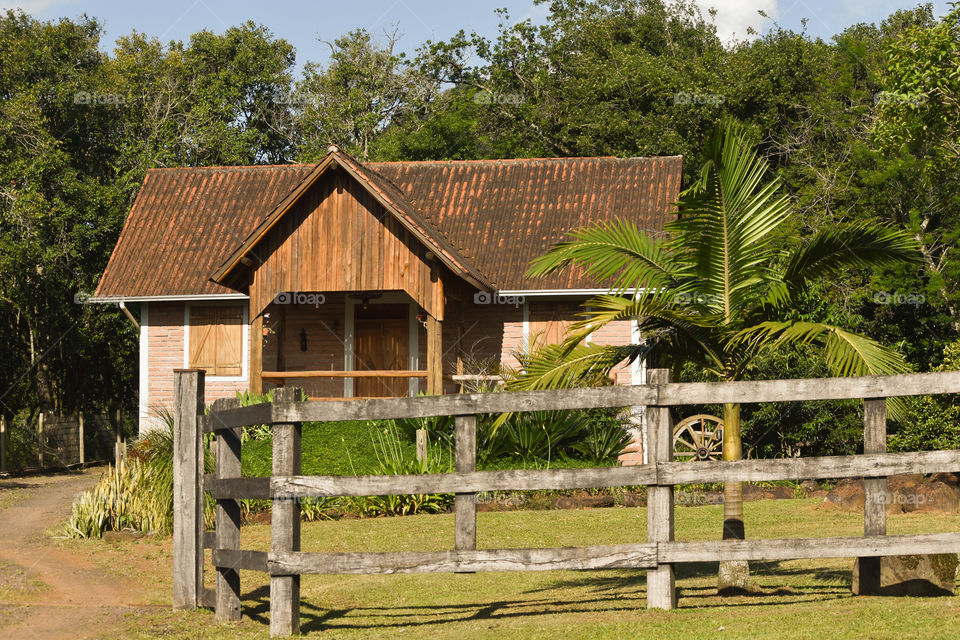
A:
846, 353
727, 219
615, 250
554, 367
690, 334
858, 244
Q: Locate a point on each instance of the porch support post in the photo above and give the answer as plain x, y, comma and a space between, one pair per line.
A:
256, 352
434, 356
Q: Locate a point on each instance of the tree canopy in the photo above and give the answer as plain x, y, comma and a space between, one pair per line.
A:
858, 129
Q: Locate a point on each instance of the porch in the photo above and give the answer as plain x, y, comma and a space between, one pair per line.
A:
334, 345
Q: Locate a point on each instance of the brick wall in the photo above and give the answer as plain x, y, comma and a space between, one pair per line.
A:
165, 340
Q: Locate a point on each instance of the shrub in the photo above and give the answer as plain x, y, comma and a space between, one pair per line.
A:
137, 494
123, 499
934, 421
392, 459
605, 436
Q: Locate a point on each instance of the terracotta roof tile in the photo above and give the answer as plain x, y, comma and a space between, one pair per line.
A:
498, 214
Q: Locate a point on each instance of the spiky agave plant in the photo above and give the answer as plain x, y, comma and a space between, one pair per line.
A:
720, 287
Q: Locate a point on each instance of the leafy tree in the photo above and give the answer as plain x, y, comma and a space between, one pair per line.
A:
720, 290
936, 421
918, 132
57, 210
354, 98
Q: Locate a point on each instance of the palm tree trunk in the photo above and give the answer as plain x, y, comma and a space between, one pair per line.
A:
734, 575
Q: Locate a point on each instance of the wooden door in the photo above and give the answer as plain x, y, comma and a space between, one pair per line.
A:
381, 342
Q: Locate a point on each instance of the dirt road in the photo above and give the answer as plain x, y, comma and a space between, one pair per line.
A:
46, 591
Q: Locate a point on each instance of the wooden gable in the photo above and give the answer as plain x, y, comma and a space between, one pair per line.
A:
338, 237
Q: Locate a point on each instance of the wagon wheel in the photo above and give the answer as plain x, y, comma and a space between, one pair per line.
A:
698, 437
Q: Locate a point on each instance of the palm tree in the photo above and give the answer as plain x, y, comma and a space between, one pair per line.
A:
718, 289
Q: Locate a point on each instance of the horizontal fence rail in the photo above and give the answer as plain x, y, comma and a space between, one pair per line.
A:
665, 395
285, 562
664, 473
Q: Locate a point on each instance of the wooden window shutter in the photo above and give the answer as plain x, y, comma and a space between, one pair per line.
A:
216, 340
229, 341
550, 323
203, 353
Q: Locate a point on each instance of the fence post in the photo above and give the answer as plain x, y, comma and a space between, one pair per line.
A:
421, 444
80, 448
465, 504
874, 494
228, 515
285, 521
187, 488
3, 444
661, 590
118, 452
40, 439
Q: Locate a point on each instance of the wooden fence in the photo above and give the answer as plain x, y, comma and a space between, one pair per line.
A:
64, 441
285, 562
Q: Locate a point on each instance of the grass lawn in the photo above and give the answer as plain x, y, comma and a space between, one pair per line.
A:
803, 599
350, 448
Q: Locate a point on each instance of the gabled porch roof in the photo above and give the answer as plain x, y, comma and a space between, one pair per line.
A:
385, 193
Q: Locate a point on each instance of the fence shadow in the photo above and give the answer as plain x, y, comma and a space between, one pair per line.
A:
609, 594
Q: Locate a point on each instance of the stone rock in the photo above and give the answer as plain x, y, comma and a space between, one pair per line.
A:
906, 493
846, 495
917, 575
941, 493
938, 497
584, 502
779, 493
809, 486
634, 500
752, 492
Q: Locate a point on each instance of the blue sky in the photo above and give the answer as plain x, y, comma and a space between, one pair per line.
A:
304, 24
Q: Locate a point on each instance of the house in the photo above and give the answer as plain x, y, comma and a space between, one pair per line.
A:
355, 279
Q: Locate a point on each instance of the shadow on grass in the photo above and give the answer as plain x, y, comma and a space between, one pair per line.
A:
590, 594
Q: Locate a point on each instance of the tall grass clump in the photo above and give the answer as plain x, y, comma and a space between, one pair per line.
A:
137, 494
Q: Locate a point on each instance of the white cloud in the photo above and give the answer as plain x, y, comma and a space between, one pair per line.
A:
734, 16
33, 7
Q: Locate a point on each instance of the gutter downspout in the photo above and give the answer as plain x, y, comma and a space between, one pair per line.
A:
123, 307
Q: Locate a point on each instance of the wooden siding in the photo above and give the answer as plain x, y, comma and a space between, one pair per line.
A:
338, 237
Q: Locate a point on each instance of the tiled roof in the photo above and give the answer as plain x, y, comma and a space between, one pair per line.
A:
501, 214
496, 214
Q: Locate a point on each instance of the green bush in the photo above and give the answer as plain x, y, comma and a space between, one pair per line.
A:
137, 494
934, 421
395, 459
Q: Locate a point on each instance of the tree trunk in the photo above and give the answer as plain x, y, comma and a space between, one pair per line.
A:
734, 575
